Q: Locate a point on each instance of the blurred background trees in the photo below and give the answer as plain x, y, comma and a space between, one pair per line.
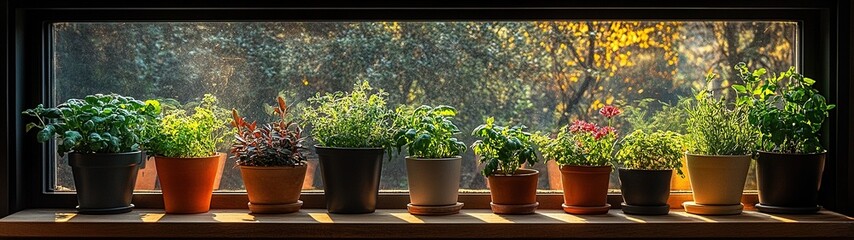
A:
541, 74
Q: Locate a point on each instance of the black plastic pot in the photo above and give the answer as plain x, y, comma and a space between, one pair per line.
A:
351, 178
645, 191
788, 183
104, 181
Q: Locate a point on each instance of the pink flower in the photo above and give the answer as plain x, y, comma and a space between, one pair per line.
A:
579, 125
602, 132
609, 111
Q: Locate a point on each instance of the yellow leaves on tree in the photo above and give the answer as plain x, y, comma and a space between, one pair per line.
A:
578, 58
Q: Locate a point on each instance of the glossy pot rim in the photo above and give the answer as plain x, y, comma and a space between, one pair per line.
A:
717, 156
824, 152
454, 158
318, 146
273, 167
645, 170
526, 173
218, 154
105, 154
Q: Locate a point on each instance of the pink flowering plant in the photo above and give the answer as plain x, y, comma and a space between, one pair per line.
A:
583, 143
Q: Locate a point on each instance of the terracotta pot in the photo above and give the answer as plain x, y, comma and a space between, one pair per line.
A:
104, 181
273, 189
585, 189
351, 178
680, 183
718, 180
789, 183
519, 189
555, 182
433, 182
147, 178
308, 182
187, 183
219, 169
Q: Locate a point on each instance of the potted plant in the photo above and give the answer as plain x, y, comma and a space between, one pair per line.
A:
434, 161
789, 119
720, 142
504, 151
652, 115
185, 153
584, 152
647, 164
271, 161
352, 131
103, 136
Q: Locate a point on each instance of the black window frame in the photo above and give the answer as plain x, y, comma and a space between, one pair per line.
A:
824, 32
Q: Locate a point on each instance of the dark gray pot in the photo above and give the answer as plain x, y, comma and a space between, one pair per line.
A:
104, 181
788, 183
645, 192
351, 178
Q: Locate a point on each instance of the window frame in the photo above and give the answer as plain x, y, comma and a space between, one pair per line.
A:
821, 51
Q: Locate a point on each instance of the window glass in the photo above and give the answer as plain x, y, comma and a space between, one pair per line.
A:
542, 74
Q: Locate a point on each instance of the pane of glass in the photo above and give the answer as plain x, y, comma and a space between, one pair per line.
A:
541, 74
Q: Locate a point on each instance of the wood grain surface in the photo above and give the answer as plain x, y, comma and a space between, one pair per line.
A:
397, 223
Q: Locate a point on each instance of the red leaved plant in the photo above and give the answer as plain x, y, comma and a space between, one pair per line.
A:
271, 145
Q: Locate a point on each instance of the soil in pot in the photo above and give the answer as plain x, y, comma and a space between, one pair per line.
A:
645, 192
717, 183
514, 194
351, 178
104, 181
187, 183
273, 189
585, 189
434, 185
789, 183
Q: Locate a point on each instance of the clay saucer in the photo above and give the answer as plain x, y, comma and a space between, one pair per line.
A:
434, 210
702, 209
275, 208
579, 210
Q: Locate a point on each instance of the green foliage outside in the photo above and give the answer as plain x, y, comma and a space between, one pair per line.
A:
789, 118
273, 144
652, 115
542, 73
503, 149
660, 150
428, 132
717, 127
97, 124
184, 135
356, 119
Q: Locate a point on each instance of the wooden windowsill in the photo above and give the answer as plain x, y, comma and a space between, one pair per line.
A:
397, 223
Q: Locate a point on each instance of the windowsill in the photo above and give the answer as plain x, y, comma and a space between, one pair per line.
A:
391, 223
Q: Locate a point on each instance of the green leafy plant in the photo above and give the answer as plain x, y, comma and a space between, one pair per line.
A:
97, 124
428, 132
660, 150
198, 134
271, 145
583, 143
358, 119
503, 149
651, 115
789, 118
715, 127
